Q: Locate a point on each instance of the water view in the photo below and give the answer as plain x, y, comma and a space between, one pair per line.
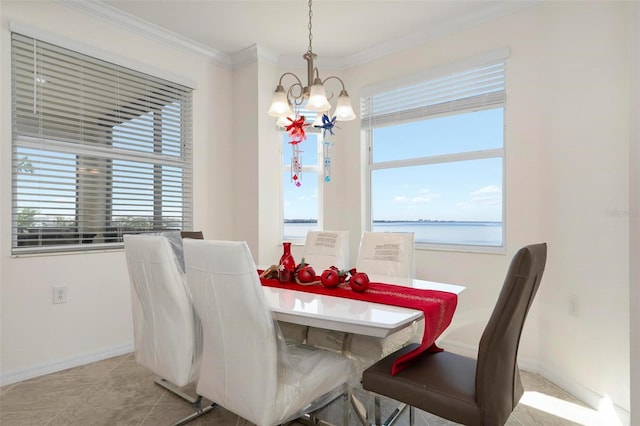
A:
468, 233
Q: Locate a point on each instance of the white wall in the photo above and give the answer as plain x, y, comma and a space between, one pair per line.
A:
585, 70
567, 166
37, 336
245, 161
634, 216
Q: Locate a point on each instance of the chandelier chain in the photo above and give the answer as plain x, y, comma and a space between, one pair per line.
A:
310, 35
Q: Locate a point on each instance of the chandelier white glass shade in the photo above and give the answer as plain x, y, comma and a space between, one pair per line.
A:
313, 95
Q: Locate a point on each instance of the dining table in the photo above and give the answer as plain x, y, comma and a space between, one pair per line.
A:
380, 309
295, 305
345, 311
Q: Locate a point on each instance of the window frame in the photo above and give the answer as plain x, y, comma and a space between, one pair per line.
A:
500, 55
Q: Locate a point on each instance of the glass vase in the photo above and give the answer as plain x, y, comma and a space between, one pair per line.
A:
287, 266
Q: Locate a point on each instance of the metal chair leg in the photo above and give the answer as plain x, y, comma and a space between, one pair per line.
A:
193, 400
372, 415
312, 419
193, 416
345, 408
377, 412
395, 414
359, 409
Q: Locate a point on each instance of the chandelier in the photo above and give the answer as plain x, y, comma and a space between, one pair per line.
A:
285, 103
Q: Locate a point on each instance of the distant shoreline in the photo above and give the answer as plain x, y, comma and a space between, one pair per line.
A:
475, 233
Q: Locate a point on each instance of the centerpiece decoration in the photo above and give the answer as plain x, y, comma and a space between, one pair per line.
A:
359, 282
286, 266
288, 272
305, 273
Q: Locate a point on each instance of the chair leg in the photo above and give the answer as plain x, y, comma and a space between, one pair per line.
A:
412, 415
395, 414
377, 412
346, 398
193, 400
372, 415
312, 419
359, 409
193, 416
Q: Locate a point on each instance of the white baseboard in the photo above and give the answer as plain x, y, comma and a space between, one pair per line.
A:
584, 394
55, 366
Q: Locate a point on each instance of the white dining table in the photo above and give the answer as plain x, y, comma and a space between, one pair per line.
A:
348, 315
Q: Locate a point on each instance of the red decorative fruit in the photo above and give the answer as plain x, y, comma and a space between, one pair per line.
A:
342, 275
359, 282
306, 274
330, 278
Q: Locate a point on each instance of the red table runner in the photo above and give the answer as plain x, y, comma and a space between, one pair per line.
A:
437, 306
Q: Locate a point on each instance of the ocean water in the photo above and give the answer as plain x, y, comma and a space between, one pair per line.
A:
468, 233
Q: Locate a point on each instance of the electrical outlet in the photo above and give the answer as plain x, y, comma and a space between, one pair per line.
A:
60, 294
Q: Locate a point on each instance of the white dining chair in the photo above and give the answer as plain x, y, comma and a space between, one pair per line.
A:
166, 331
387, 254
322, 249
247, 366
389, 258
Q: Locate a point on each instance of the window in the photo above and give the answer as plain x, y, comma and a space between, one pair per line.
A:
99, 150
436, 153
301, 204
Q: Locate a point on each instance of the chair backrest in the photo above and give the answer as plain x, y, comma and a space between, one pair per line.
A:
498, 385
240, 350
390, 254
192, 234
167, 335
323, 249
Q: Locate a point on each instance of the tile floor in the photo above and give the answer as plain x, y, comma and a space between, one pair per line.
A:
118, 392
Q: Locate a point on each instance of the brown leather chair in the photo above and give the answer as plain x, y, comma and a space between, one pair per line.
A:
196, 235
482, 391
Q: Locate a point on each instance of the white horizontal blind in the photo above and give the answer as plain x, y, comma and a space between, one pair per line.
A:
478, 87
99, 150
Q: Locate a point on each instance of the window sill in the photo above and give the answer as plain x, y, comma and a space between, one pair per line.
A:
499, 250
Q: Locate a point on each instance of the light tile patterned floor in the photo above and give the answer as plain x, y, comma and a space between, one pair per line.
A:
117, 392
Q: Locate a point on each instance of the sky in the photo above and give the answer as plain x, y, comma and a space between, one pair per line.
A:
461, 191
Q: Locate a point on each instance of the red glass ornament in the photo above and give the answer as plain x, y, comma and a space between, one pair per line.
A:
287, 266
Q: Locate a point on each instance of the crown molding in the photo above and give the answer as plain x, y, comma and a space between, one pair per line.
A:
147, 29
255, 52
461, 23
251, 54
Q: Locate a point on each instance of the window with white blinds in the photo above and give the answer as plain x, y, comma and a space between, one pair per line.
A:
436, 151
99, 151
